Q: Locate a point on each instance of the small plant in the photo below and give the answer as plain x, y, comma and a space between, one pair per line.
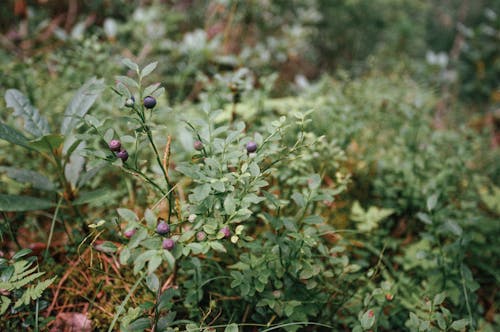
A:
20, 285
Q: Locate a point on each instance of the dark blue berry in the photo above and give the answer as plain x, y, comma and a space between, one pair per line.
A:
168, 244
122, 154
149, 102
129, 233
198, 145
251, 147
115, 145
162, 228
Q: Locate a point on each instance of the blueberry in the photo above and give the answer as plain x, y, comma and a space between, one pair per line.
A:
115, 145
149, 102
198, 145
225, 230
162, 228
200, 236
129, 233
122, 154
130, 102
168, 244
251, 147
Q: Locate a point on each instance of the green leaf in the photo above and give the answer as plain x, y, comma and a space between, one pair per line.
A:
13, 136
439, 298
432, 201
124, 256
83, 99
217, 246
229, 205
48, 142
200, 192
299, 199
107, 247
167, 255
148, 69
21, 253
4, 304
23, 203
153, 282
34, 123
139, 325
37, 180
158, 92
459, 325
231, 328
130, 64
151, 88
368, 319
127, 81
313, 220
128, 215
91, 196
154, 262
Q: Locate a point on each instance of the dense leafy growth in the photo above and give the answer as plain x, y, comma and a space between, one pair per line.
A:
300, 165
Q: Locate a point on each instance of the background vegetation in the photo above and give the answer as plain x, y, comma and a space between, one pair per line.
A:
372, 201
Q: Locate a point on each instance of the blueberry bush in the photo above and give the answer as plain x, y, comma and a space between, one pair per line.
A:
249, 166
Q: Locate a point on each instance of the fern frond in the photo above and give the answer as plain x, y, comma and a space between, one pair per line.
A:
4, 304
33, 292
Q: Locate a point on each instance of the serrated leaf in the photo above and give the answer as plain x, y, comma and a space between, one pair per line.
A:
34, 123
35, 179
148, 69
15, 203
13, 136
80, 104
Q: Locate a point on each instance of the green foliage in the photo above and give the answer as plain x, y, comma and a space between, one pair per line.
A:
19, 282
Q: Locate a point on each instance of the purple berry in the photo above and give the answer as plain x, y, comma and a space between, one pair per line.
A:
201, 236
225, 230
122, 154
168, 244
198, 145
251, 147
115, 145
129, 233
162, 228
149, 102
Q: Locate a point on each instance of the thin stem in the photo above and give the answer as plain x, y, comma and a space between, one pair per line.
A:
125, 301
52, 225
